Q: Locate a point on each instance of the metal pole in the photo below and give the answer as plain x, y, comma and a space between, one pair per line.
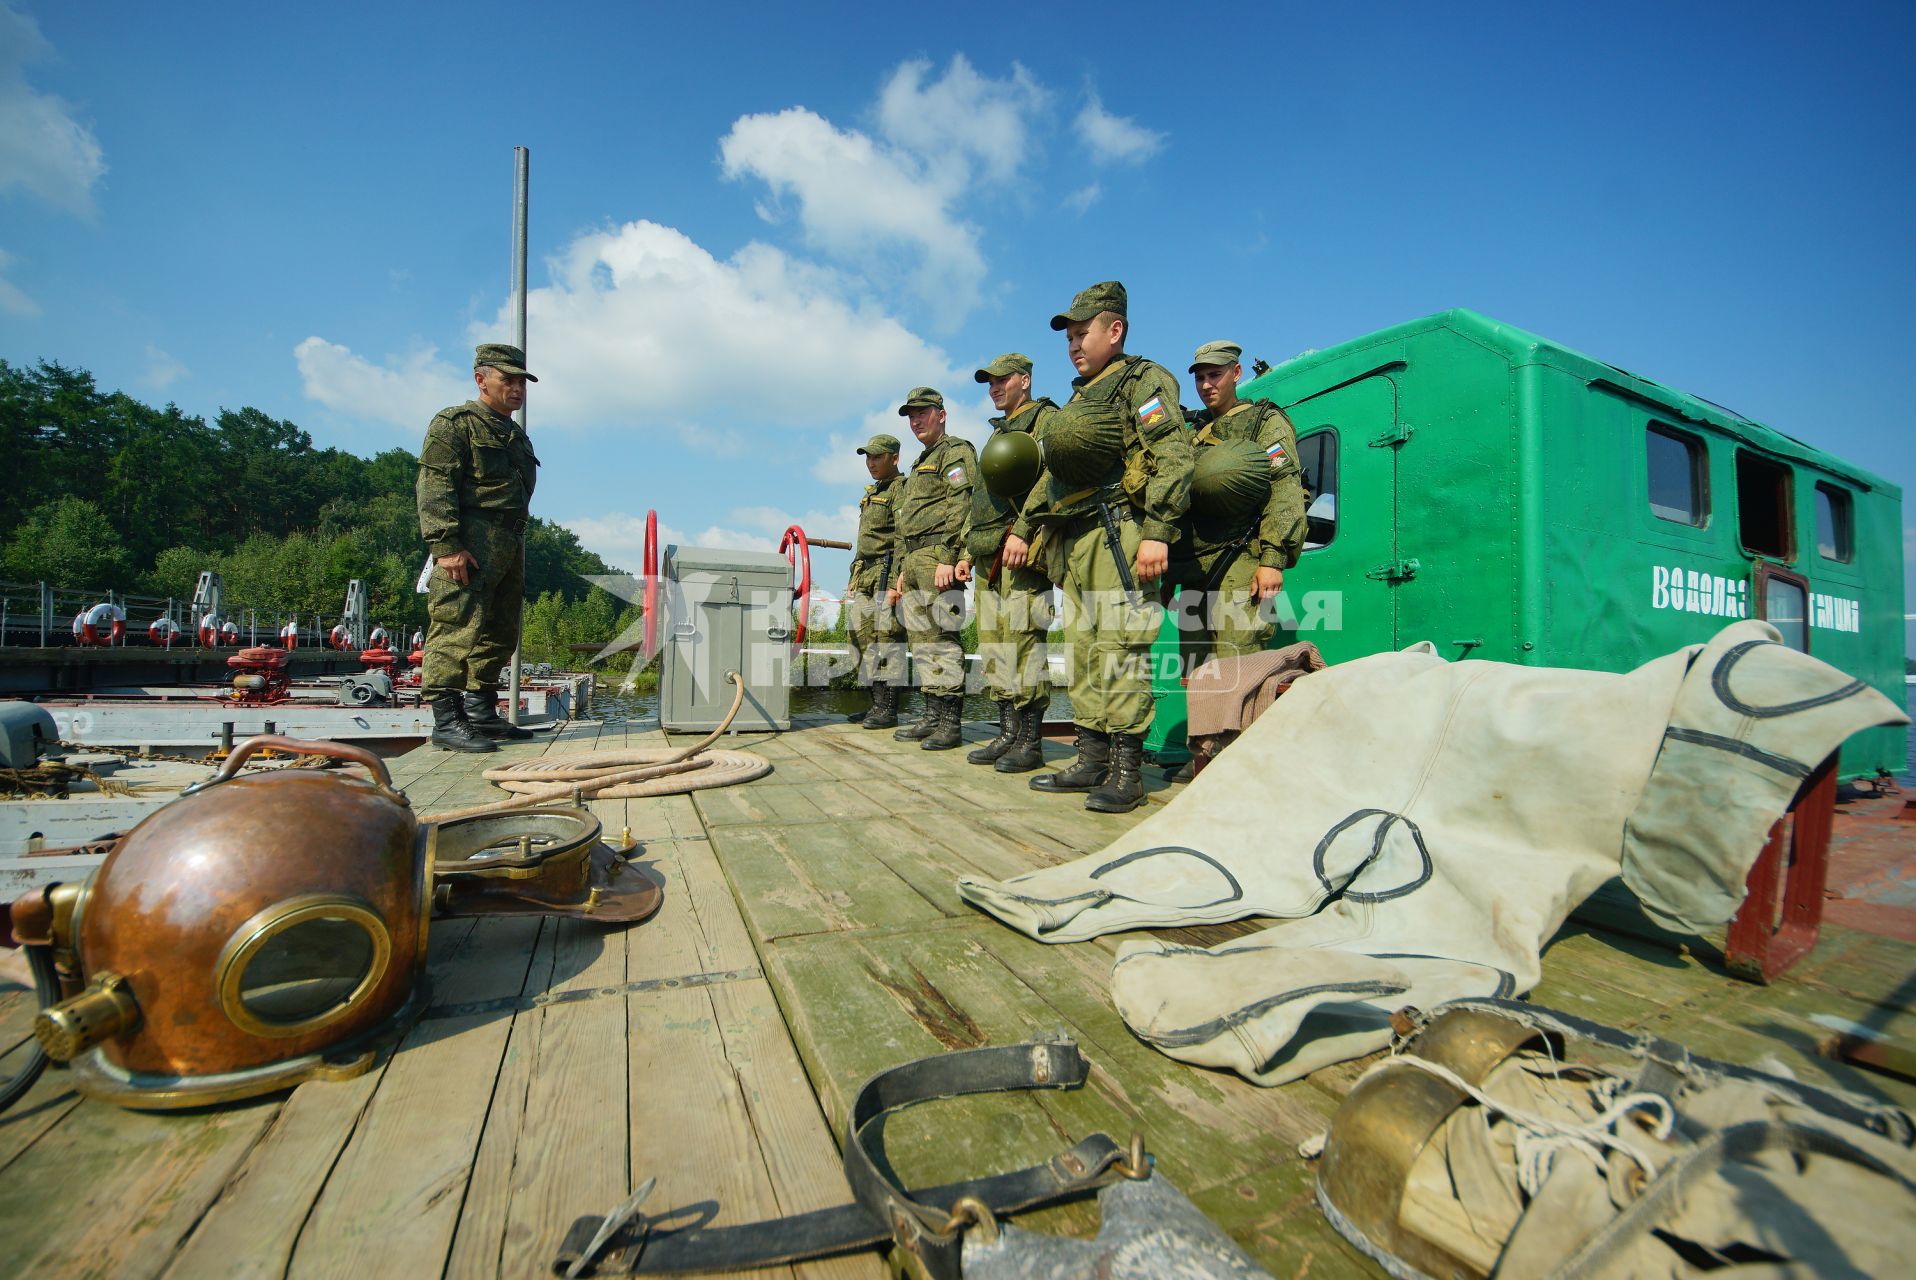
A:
521, 172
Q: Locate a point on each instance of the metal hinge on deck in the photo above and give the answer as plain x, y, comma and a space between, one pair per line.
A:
1394, 436
1395, 571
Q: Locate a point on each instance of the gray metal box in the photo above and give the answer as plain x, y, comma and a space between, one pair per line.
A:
725, 611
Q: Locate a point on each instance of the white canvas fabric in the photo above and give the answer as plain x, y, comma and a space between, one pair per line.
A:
1426, 825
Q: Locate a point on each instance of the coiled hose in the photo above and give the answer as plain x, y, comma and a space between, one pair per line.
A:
620, 774
46, 986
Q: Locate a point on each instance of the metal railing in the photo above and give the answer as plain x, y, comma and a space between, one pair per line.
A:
41, 615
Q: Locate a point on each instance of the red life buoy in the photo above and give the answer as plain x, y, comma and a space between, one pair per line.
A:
102, 624
229, 633
209, 632
379, 639
163, 632
339, 637
289, 636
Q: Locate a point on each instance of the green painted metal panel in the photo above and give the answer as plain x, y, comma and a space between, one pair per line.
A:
1494, 497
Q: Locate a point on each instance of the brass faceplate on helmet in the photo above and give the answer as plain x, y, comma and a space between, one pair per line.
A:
237, 957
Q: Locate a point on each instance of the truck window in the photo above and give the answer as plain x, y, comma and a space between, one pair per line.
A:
1764, 492
1317, 454
1678, 480
1835, 538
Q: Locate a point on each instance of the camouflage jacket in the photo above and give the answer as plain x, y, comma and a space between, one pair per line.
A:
473, 461
936, 501
1157, 451
1280, 527
877, 527
991, 515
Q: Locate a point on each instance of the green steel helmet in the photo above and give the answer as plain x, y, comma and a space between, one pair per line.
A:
1084, 442
1009, 463
1230, 479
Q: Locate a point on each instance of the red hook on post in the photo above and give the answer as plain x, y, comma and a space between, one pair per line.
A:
798, 553
651, 597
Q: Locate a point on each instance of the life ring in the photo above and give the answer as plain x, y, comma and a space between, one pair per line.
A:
379, 639
163, 632
210, 632
339, 637
289, 636
229, 633
798, 553
102, 624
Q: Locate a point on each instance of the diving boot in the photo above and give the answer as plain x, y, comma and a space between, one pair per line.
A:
948, 730
449, 728
921, 727
1084, 773
482, 713
1123, 788
1007, 734
1026, 751
884, 709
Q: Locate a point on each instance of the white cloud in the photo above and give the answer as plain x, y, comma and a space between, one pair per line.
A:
405, 392
889, 204
1083, 198
12, 299
1114, 139
619, 536
44, 151
962, 115
162, 369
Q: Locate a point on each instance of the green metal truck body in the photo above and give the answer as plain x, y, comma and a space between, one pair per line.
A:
1508, 498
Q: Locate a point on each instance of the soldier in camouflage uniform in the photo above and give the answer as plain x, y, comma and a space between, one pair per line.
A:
1110, 592
1014, 605
932, 513
878, 656
476, 473
1229, 565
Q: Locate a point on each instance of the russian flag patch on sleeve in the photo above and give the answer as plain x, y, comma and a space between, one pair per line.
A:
1276, 452
956, 475
1151, 412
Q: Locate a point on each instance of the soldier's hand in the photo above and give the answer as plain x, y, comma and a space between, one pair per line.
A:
459, 566
1266, 582
1154, 558
1016, 552
893, 595
964, 571
943, 576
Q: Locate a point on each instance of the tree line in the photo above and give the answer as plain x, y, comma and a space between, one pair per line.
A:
110, 493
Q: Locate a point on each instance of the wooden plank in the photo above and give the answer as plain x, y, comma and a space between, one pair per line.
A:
801, 1159
793, 879
122, 1186
571, 1147
1273, 1214
395, 1195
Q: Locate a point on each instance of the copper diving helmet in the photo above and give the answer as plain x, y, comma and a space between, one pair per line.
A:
268, 929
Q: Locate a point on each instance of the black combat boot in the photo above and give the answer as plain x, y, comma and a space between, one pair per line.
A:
1007, 734
1026, 751
449, 728
948, 731
884, 711
482, 713
923, 725
1084, 773
1123, 788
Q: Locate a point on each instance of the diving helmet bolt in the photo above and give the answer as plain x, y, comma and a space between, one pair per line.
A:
104, 1010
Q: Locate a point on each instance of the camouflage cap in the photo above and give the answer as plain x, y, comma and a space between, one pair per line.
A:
1216, 353
502, 356
1009, 362
880, 443
921, 398
1106, 295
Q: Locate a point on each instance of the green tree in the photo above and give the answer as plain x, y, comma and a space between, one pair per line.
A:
69, 542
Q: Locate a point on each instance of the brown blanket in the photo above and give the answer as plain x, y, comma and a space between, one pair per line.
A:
1226, 694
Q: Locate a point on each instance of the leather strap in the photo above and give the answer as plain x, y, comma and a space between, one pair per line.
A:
920, 1221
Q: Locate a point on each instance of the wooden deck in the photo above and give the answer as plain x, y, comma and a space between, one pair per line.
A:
811, 935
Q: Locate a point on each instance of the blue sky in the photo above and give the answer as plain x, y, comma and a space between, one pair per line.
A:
754, 227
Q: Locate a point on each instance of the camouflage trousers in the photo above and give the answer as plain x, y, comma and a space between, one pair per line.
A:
933, 619
472, 630
1013, 616
1226, 623
877, 639
1110, 637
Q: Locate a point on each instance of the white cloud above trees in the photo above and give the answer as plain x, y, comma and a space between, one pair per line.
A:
45, 151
